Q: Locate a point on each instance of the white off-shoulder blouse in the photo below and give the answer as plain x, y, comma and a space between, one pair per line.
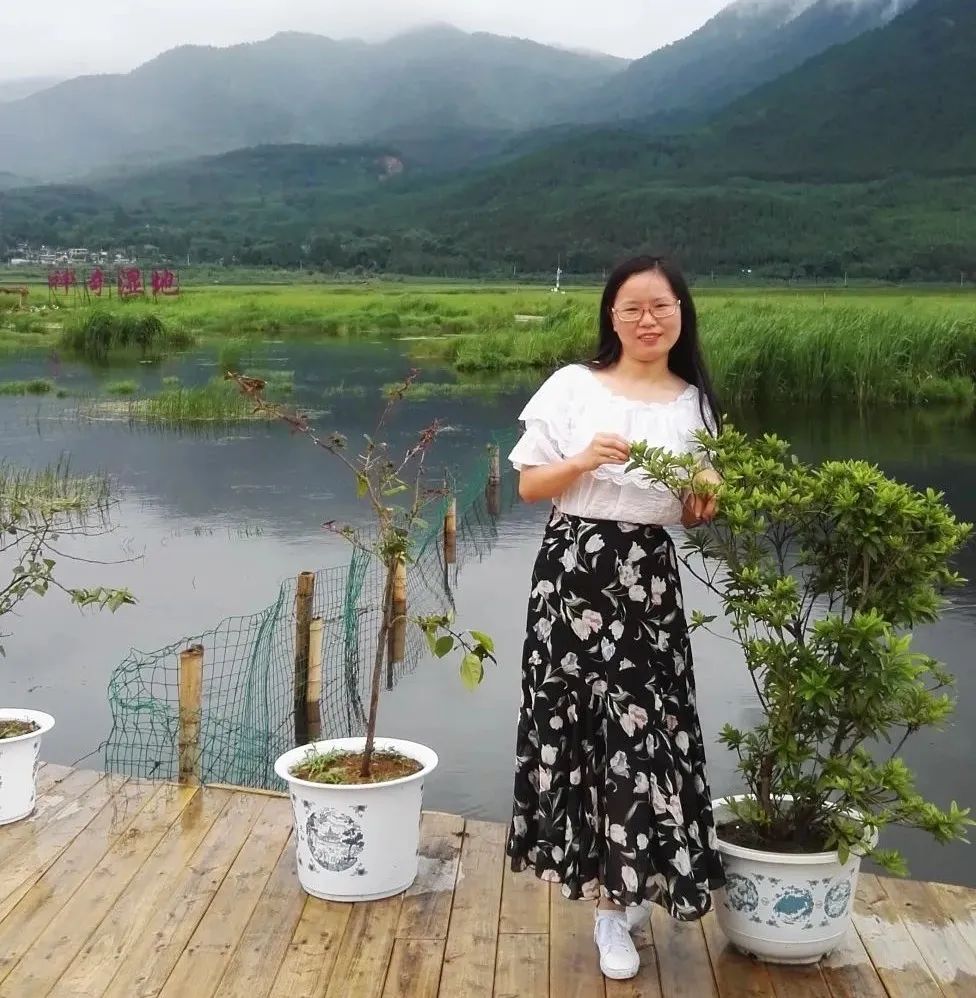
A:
570, 408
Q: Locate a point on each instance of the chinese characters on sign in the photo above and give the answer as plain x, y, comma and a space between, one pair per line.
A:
165, 282
61, 280
129, 282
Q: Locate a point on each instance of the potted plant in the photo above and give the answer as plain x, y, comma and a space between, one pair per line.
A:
36, 508
822, 572
358, 801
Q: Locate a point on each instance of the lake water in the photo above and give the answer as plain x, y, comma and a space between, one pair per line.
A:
208, 525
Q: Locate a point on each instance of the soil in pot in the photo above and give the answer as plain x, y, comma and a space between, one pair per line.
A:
14, 729
344, 767
739, 833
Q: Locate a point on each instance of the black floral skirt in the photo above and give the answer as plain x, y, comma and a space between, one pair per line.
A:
611, 794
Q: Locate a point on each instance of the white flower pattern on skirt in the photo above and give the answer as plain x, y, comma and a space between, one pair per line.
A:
611, 794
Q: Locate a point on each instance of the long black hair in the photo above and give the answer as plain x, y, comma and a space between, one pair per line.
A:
685, 358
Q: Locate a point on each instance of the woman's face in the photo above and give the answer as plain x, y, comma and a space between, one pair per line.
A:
651, 335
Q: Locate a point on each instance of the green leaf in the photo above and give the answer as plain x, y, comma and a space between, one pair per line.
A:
362, 485
472, 671
443, 645
484, 640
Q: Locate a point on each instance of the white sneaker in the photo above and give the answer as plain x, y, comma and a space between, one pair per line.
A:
638, 916
619, 959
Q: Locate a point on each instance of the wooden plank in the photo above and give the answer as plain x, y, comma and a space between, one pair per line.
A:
24, 868
736, 975
426, 911
522, 966
364, 953
202, 964
150, 959
415, 969
647, 983
50, 773
849, 972
943, 947
892, 950
57, 794
150, 890
254, 966
525, 902
47, 897
682, 957
798, 982
959, 903
69, 929
311, 955
469, 957
574, 964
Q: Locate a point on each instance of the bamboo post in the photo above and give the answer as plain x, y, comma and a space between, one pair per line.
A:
494, 490
313, 711
450, 532
191, 710
398, 620
304, 594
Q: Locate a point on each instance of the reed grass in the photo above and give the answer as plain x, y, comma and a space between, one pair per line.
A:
216, 402
53, 488
34, 386
100, 333
277, 381
803, 350
121, 388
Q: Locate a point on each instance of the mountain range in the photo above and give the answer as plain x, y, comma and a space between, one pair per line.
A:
746, 44
858, 155
195, 100
443, 96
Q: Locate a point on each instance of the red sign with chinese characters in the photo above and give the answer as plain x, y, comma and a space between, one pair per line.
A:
129, 282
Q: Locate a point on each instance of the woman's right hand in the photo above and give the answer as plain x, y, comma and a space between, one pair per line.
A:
604, 448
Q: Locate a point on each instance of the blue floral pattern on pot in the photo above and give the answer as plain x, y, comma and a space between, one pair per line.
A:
805, 904
793, 905
741, 893
838, 899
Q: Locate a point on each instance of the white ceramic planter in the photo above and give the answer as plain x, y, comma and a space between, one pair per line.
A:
18, 764
358, 842
784, 907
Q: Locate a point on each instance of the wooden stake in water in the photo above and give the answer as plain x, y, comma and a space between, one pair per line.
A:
191, 710
313, 695
450, 532
494, 490
304, 596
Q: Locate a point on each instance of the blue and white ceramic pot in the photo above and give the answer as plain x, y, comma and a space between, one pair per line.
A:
18, 764
784, 907
357, 842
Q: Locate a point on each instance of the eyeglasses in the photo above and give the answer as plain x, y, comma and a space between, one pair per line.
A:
663, 310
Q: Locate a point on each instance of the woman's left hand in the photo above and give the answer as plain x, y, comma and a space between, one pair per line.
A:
698, 509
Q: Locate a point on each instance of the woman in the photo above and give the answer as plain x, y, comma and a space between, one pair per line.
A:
611, 794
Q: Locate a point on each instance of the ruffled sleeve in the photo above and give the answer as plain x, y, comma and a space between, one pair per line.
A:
547, 418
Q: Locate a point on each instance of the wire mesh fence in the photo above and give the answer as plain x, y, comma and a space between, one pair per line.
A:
245, 712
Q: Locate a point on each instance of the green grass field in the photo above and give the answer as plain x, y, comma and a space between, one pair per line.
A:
884, 345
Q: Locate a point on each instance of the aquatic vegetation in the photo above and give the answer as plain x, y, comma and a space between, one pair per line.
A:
802, 349
35, 386
100, 333
216, 402
121, 388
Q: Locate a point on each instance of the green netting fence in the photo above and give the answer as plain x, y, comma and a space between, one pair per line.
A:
247, 707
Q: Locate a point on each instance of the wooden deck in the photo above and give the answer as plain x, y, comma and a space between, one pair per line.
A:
132, 889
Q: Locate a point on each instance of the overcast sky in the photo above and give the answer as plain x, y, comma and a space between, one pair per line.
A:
69, 37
